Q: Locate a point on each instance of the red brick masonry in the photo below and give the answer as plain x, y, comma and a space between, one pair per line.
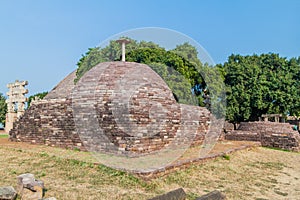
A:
97, 101
270, 134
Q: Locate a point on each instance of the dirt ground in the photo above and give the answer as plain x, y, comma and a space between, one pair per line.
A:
253, 173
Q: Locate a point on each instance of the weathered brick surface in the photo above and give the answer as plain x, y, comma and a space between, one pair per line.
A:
265, 127
288, 141
115, 106
48, 122
270, 134
63, 88
240, 135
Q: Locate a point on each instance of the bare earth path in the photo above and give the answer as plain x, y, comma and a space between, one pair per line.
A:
257, 173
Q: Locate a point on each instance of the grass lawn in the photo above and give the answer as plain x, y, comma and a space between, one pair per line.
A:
3, 135
259, 173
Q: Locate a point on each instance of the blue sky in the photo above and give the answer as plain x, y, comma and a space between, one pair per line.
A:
41, 41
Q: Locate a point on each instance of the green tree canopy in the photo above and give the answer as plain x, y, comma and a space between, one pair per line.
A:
183, 59
260, 84
188, 52
179, 85
112, 52
3, 109
169, 58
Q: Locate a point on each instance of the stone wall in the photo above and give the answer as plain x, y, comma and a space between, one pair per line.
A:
48, 122
117, 106
240, 135
51, 122
288, 141
270, 134
266, 127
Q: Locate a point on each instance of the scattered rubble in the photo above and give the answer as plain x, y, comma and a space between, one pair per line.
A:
28, 188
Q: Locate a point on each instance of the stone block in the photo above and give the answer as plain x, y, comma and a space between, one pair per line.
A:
8, 193
29, 188
177, 194
214, 195
27, 194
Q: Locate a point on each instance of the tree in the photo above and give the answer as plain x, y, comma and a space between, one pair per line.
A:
211, 90
189, 52
111, 52
264, 84
295, 71
183, 82
40, 95
3, 109
214, 91
179, 85
160, 60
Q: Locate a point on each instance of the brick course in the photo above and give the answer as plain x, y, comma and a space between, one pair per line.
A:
270, 134
89, 115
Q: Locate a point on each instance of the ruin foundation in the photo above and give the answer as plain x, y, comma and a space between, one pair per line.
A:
270, 134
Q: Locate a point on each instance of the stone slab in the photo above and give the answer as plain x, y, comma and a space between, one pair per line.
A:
214, 195
177, 194
8, 193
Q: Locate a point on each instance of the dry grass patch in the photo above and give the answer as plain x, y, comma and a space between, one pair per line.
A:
259, 173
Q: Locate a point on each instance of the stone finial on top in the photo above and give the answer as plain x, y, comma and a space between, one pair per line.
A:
123, 42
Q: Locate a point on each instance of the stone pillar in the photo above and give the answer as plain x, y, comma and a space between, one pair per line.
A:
10, 115
123, 42
15, 102
10, 119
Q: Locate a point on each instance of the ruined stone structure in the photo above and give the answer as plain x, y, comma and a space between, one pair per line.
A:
270, 134
15, 102
277, 117
116, 106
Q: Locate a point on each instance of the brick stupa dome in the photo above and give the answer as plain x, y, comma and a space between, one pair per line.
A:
132, 104
115, 106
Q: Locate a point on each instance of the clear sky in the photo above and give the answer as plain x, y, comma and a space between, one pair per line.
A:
41, 41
